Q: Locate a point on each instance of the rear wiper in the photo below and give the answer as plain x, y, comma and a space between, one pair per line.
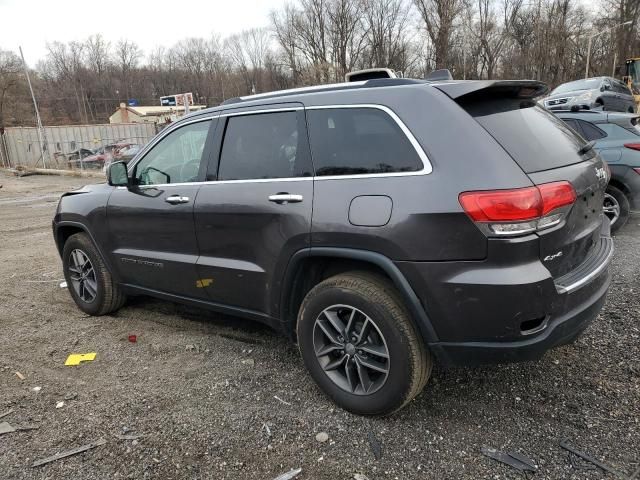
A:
587, 146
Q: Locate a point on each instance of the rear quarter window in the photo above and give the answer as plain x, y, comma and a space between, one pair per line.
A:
351, 141
535, 138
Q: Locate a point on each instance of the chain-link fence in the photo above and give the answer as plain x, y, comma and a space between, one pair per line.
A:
82, 147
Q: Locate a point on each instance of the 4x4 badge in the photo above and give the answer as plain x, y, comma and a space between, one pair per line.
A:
551, 257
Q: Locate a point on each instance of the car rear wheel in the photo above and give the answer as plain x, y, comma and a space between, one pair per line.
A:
360, 345
89, 281
616, 207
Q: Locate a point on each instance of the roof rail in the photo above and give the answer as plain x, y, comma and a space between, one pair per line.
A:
379, 82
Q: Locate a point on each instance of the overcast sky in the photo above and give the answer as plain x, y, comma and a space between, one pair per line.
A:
33, 23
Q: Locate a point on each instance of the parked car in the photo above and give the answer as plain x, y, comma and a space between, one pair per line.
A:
74, 157
604, 93
616, 137
356, 220
127, 153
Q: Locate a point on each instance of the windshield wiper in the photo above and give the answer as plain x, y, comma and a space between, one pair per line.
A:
587, 146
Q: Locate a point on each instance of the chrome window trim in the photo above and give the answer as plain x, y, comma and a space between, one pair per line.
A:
426, 164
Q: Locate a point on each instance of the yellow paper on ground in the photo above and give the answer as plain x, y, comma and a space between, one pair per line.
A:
76, 358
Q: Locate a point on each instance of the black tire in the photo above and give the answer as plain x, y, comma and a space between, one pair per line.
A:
108, 295
409, 363
623, 207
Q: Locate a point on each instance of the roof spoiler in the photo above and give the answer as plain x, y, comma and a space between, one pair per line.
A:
485, 89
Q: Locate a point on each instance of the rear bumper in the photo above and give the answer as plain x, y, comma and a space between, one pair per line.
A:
494, 313
560, 331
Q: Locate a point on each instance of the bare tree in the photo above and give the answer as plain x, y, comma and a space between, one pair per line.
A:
439, 17
10, 75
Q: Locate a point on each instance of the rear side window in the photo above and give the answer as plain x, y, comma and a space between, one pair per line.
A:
535, 138
351, 141
590, 131
267, 145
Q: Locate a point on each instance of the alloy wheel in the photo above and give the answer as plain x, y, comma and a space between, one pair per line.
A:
82, 276
351, 349
611, 208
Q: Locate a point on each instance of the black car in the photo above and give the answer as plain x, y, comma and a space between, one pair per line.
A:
616, 137
383, 224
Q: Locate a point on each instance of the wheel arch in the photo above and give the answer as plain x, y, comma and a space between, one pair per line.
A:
65, 229
310, 266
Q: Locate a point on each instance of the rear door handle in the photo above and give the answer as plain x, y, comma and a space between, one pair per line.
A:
283, 198
176, 199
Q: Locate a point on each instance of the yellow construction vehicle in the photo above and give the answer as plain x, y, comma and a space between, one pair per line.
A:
632, 78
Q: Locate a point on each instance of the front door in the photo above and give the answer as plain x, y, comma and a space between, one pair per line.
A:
257, 212
151, 223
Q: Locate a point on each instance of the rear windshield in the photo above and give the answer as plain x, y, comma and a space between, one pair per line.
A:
536, 139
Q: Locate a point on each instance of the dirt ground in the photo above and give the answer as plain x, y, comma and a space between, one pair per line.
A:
200, 389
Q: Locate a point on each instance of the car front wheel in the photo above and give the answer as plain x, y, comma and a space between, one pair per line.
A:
88, 279
360, 345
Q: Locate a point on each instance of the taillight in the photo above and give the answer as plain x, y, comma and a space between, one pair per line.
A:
637, 170
633, 146
520, 210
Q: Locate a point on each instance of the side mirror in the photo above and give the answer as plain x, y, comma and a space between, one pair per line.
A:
117, 175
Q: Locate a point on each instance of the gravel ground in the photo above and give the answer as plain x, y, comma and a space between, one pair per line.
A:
201, 388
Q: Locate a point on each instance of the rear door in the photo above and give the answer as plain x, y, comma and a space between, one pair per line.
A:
548, 151
255, 213
151, 224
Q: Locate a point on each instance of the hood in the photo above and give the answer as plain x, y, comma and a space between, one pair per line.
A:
95, 187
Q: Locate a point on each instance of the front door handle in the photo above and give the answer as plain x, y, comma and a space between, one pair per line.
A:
284, 198
176, 199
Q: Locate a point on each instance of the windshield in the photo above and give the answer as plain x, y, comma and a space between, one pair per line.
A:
592, 83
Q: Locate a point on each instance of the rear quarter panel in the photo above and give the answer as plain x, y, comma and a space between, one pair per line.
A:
427, 221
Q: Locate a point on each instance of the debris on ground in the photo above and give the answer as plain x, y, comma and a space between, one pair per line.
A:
76, 358
322, 437
71, 396
9, 412
68, 453
265, 427
5, 427
133, 338
249, 361
128, 437
20, 376
513, 459
291, 474
63, 284
281, 400
59, 404
565, 444
376, 446
36, 389
360, 476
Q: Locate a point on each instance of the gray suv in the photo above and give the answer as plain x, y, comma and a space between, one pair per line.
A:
382, 224
604, 93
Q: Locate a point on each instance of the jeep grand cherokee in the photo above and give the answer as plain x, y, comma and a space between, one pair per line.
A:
382, 224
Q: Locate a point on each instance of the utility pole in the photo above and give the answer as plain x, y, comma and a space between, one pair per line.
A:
591, 37
35, 105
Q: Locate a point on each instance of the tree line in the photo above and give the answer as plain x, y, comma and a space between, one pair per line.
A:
309, 42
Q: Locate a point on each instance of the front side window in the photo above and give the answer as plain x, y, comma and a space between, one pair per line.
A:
264, 145
176, 158
352, 141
